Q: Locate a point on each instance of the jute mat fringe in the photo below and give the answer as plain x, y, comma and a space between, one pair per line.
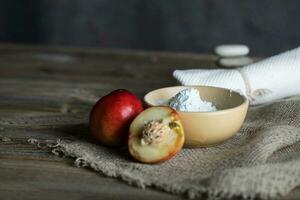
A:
261, 161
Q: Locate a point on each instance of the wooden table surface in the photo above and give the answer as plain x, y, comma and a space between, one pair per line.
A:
47, 93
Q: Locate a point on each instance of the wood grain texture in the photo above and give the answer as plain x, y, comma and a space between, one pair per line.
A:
47, 93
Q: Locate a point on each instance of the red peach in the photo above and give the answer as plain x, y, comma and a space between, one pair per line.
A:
112, 115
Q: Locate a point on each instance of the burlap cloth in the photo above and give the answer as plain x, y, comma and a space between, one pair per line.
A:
262, 160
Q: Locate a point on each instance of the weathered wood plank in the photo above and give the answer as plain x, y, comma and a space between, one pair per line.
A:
47, 93
38, 179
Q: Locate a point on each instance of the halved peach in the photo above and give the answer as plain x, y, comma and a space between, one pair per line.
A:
155, 135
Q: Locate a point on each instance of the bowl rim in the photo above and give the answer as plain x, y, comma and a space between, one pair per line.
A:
244, 103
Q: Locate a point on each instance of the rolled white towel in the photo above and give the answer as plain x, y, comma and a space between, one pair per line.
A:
267, 80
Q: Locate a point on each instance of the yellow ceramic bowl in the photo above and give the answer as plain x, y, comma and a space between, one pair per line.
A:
207, 128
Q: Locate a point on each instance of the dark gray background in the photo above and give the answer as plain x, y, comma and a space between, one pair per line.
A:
267, 26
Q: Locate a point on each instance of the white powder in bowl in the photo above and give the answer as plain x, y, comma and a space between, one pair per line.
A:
189, 100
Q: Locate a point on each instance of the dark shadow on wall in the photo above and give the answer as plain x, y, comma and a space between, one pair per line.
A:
268, 27
20, 21
149, 25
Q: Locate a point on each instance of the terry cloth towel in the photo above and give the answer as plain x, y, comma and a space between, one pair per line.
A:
261, 160
270, 79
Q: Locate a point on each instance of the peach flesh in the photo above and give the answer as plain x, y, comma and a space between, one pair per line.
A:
164, 139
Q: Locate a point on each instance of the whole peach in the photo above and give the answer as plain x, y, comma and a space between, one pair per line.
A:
112, 115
